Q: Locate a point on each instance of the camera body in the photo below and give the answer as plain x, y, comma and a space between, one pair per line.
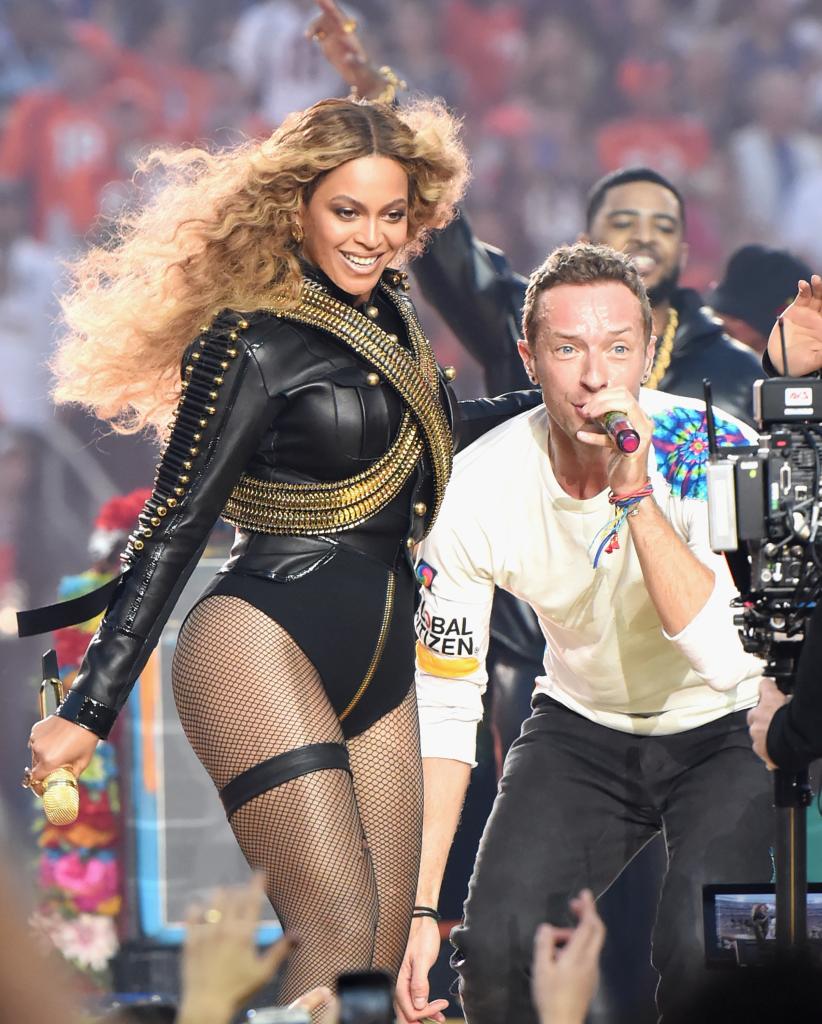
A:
767, 498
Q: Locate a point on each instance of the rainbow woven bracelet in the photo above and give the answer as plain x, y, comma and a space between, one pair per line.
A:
607, 537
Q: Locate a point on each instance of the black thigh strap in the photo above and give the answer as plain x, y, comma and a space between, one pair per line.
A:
314, 757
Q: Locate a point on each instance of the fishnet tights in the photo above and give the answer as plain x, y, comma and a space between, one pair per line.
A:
340, 860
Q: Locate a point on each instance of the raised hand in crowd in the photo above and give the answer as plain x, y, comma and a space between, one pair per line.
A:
803, 331
565, 970
221, 967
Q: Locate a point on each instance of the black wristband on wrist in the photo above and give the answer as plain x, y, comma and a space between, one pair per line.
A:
426, 912
91, 714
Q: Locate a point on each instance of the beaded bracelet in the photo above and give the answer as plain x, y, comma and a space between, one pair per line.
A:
426, 912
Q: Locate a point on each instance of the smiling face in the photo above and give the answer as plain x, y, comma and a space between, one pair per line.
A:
356, 222
643, 219
587, 337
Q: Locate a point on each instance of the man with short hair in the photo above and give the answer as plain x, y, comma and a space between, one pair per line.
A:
638, 723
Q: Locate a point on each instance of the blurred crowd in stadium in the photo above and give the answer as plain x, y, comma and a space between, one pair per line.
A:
723, 96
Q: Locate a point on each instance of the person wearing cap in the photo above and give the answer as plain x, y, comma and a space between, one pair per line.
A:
758, 285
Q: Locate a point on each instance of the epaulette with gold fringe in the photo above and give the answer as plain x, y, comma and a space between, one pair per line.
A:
203, 376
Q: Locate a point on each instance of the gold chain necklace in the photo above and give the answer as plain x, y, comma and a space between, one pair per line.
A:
664, 351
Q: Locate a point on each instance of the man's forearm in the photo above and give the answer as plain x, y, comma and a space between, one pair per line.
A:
445, 784
678, 583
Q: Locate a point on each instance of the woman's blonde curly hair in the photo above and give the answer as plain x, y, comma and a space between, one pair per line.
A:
218, 235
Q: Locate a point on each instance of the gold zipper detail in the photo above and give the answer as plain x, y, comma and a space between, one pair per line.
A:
382, 637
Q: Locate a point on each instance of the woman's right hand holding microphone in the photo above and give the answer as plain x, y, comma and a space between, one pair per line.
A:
57, 743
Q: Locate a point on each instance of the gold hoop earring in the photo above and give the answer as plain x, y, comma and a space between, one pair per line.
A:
297, 232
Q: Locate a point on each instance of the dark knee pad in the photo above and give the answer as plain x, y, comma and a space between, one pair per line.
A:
315, 757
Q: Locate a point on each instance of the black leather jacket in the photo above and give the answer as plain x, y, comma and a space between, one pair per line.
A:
286, 403
479, 296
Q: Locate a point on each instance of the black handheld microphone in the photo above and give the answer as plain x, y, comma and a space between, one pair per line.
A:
618, 427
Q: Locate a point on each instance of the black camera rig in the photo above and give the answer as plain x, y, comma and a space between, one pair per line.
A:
765, 514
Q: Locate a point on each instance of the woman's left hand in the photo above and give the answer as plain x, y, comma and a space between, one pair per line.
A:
336, 33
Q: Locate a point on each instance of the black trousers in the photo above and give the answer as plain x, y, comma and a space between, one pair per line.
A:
576, 802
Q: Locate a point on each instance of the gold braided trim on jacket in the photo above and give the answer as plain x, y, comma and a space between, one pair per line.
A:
319, 507
274, 507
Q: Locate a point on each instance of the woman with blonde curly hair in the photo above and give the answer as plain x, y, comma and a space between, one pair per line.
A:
309, 412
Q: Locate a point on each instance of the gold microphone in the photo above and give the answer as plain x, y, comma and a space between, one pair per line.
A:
61, 797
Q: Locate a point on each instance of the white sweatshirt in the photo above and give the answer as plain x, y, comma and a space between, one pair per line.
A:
506, 521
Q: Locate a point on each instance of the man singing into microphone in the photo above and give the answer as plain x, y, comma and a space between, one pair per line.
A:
638, 722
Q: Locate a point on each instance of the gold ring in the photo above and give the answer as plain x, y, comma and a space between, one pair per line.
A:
320, 34
27, 782
349, 26
212, 916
